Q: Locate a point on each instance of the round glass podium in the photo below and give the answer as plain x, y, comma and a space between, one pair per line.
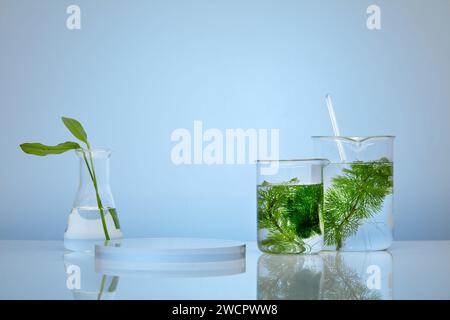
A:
170, 257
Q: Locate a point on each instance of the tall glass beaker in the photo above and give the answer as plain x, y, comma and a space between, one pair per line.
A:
358, 194
94, 215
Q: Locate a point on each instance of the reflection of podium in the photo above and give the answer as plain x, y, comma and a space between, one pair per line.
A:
84, 282
155, 268
173, 257
328, 275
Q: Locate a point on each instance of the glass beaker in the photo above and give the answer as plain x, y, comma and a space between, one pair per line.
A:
358, 191
289, 205
94, 215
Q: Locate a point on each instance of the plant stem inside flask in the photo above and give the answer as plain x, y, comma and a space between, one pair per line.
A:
97, 195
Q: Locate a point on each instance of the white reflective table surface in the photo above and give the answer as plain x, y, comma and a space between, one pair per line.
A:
409, 270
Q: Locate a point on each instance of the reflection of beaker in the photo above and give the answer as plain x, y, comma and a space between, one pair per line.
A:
94, 213
84, 282
296, 277
327, 276
357, 275
358, 192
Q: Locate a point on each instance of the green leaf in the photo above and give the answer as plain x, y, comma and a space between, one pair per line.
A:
113, 213
40, 149
76, 129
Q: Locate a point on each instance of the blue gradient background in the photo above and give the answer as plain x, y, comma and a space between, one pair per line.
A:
137, 70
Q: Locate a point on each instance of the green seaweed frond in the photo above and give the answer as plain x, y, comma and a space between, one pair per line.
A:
355, 195
290, 213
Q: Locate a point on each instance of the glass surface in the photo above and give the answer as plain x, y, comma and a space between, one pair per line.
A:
289, 205
358, 182
40, 270
85, 225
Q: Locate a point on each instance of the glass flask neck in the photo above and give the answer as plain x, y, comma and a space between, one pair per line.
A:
94, 171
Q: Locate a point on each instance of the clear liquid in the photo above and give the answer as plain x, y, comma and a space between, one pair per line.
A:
289, 218
85, 228
374, 233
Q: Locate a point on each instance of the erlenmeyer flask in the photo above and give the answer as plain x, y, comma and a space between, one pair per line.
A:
94, 215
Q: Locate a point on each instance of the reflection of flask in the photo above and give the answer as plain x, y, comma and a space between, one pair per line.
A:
289, 277
181, 257
83, 280
86, 224
357, 275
